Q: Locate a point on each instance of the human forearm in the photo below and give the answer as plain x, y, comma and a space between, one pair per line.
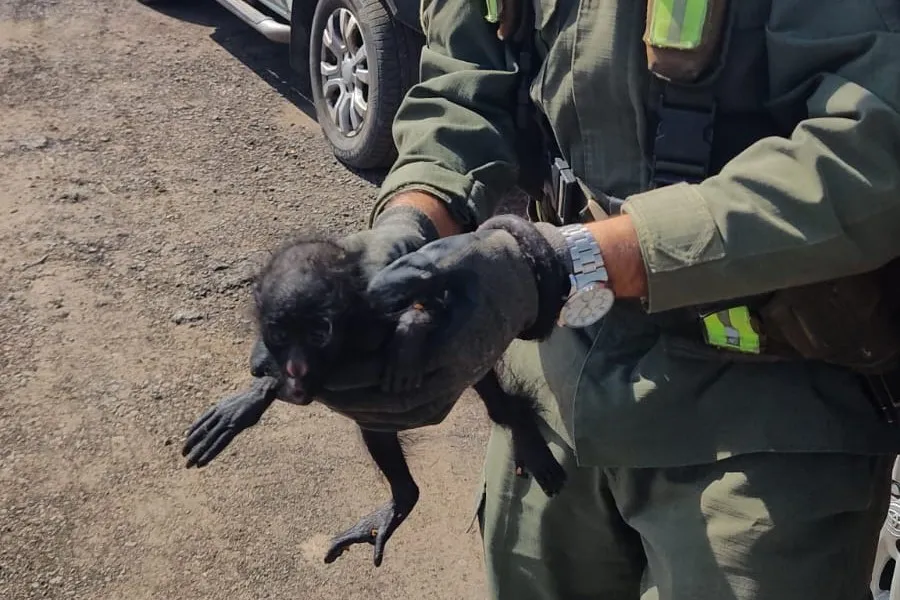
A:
455, 130
818, 204
821, 205
621, 251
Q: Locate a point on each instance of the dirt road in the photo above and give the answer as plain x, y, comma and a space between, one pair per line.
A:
148, 161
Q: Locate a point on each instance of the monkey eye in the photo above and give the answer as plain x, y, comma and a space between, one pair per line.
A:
319, 334
278, 339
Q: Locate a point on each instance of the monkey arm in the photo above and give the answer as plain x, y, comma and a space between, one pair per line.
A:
377, 527
262, 363
214, 430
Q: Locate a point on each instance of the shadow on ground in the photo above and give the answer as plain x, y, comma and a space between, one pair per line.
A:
269, 60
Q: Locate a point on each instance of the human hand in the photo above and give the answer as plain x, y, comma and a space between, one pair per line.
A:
500, 286
396, 232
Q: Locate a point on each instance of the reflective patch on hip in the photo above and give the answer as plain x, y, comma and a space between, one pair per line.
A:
732, 329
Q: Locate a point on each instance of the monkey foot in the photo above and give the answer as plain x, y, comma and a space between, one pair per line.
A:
532, 456
401, 376
520, 468
403, 372
405, 363
375, 528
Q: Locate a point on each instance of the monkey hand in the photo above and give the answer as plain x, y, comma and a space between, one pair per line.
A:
214, 430
375, 528
262, 363
507, 279
397, 231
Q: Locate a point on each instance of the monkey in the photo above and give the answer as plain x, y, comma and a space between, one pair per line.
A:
311, 311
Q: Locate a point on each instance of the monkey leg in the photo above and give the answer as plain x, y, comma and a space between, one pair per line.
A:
517, 412
377, 527
407, 351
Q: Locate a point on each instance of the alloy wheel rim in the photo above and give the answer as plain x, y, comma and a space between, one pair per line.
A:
344, 72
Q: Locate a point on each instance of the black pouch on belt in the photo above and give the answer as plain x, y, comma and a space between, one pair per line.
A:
852, 322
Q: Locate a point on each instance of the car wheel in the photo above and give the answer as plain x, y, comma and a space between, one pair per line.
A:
360, 67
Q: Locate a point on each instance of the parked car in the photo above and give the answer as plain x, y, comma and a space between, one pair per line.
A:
361, 56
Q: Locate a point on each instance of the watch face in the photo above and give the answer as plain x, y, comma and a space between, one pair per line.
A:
587, 306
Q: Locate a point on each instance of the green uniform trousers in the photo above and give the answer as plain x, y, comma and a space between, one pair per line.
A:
761, 526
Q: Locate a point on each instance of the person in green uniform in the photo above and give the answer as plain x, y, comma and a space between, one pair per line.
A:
701, 463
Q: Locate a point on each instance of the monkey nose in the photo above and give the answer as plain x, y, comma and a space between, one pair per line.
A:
296, 370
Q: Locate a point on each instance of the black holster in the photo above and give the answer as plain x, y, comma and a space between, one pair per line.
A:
851, 322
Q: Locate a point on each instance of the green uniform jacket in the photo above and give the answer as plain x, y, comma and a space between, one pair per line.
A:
820, 201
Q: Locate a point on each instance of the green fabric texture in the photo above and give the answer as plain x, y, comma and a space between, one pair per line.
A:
466, 95
760, 526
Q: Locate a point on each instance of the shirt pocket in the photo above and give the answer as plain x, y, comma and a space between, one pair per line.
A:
743, 37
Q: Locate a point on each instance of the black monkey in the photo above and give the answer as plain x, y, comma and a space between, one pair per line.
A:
312, 312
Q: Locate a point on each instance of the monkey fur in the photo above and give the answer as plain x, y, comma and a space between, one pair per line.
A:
311, 312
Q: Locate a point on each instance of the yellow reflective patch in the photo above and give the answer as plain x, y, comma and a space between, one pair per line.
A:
677, 23
732, 329
493, 11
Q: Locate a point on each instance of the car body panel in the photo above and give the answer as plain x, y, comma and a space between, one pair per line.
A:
405, 11
282, 21
280, 7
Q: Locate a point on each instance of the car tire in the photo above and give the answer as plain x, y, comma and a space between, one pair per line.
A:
361, 62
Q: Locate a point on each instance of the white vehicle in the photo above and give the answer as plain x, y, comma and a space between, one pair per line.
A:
361, 56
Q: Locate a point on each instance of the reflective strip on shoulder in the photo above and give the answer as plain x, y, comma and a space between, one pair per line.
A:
732, 329
677, 23
493, 10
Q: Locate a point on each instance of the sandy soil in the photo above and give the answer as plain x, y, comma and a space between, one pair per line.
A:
148, 161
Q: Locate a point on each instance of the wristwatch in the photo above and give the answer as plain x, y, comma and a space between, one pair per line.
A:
590, 297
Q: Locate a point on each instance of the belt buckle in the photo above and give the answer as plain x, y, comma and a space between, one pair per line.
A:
565, 185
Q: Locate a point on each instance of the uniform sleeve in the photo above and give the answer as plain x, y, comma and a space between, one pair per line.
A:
454, 131
820, 204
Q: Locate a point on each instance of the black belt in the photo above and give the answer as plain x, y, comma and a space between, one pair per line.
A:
884, 392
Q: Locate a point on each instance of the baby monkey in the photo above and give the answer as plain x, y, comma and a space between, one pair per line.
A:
312, 313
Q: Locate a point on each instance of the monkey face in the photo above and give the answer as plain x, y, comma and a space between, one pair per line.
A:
303, 350
305, 299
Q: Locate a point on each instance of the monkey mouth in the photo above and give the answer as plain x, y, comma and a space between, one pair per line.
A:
297, 394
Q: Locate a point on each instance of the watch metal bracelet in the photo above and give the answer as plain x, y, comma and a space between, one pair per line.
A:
587, 261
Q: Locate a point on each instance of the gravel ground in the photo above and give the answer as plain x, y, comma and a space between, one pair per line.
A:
148, 162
